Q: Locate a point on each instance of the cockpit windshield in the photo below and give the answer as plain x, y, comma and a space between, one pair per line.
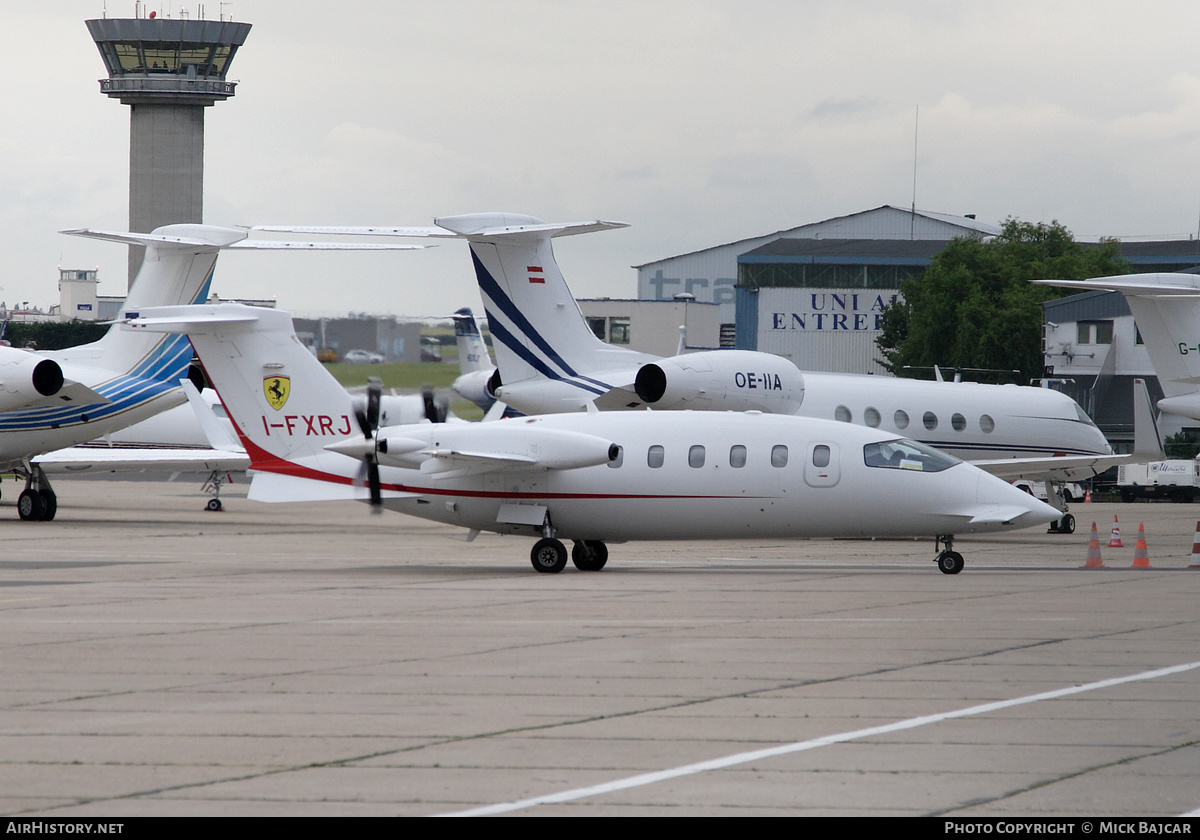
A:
1083, 417
903, 454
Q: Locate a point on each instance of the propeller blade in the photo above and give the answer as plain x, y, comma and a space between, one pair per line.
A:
374, 397
435, 408
373, 485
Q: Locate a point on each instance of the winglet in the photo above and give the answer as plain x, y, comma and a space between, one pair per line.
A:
1147, 440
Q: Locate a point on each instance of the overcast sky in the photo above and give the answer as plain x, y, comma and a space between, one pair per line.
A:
698, 123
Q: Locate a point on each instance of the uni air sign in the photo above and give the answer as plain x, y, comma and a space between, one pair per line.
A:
833, 312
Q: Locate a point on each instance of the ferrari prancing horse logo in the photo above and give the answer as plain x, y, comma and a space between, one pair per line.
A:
276, 389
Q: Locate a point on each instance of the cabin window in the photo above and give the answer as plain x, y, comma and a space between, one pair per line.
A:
696, 457
616, 462
901, 419
871, 417
987, 424
655, 456
779, 455
843, 414
737, 456
820, 455
930, 420
958, 422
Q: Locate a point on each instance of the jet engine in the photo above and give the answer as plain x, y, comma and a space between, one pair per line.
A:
730, 380
26, 378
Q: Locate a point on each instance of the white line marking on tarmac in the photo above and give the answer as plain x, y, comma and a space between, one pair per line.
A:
801, 746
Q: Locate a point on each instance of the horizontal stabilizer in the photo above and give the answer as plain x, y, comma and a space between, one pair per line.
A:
284, 245
210, 237
188, 236
1145, 285
198, 318
344, 230
475, 226
79, 459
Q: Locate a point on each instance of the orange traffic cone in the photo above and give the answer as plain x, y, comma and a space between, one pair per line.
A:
1087, 496
1141, 560
1094, 560
1196, 549
1115, 540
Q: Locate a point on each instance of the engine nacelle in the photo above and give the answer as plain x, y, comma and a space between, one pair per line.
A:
26, 378
523, 444
722, 380
473, 386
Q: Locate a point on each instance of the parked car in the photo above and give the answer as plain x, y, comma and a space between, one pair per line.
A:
362, 357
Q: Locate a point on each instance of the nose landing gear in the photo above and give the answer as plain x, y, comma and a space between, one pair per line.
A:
949, 562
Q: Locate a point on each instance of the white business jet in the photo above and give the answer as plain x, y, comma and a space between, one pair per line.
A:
1166, 308
589, 477
52, 400
549, 361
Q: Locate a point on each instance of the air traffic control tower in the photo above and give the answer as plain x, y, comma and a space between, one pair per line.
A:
168, 72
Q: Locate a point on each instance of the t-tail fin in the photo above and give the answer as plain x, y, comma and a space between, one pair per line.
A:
537, 328
538, 332
1166, 308
177, 270
472, 351
283, 403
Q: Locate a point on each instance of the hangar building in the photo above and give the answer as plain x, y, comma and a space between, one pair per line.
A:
812, 293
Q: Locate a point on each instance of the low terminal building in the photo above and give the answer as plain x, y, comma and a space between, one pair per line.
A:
653, 326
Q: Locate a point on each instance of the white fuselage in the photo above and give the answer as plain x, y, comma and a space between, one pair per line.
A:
705, 495
969, 420
28, 432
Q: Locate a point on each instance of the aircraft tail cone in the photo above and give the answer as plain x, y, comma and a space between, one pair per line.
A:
1141, 559
1196, 549
1094, 560
1115, 540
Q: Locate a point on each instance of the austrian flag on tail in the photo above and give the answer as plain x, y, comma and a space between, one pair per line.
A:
535, 274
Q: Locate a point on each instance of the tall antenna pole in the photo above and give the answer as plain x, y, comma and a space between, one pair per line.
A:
912, 219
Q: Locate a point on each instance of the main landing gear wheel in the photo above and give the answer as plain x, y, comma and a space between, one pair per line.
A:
31, 506
950, 562
589, 555
49, 504
1066, 525
548, 555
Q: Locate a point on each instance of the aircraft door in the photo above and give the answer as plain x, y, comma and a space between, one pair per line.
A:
821, 465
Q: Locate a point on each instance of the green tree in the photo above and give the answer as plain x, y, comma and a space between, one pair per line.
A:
974, 307
54, 335
1182, 445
